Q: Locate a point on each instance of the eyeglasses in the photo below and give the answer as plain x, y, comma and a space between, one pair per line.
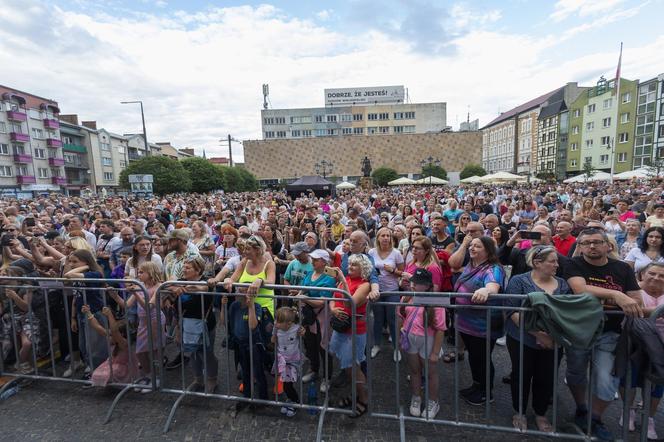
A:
591, 243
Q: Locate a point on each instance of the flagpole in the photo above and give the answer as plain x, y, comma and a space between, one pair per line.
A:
613, 145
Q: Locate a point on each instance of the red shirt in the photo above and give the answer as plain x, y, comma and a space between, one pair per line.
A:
360, 310
563, 245
627, 215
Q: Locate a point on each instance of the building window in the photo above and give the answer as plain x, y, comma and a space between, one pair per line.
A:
306, 132
42, 172
358, 130
105, 161
552, 136
409, 129
321, 132
589, 144
295, 133
105, 146
576, 113
22, 170
591, 108
398, 115
281, 134
121, 150
588, 160
5, 171
624, 118
372, 130
622, 157
574, 146
409, 115
331, 118
3, 127
372, 117
605, 141
624, 137
608, 103
575, 130
18, 149
603, 159
572, 163
279, 120
661, 131
37, 133
346, 117
4, 149
347, 131
269, 134
108, 176
358, 117
300, 120
268, 120
66, 140
39, 153
319, 118
383, 116
590, 126
626, 97
123, 164
606, 122
331, 132
384, 129
397, 129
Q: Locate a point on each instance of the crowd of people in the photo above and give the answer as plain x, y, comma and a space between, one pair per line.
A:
602, 241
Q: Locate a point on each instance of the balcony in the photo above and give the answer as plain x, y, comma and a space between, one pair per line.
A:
134, 156
25, 179
22, 158
51, 124
56, 162
76, 165
16, 116
19, 138
52, 142
78, 181
74, 148
59, 180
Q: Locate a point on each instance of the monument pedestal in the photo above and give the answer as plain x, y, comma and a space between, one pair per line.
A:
366, 183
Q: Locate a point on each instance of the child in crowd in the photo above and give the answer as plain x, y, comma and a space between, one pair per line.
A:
244, 316
119, 367
422, 333
285, 336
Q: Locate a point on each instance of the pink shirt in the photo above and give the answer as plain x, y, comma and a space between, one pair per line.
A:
436, 273
627, 215
414, 321
652, 302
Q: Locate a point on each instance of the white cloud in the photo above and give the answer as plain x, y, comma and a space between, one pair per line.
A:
325, 14
582, 8
200, 74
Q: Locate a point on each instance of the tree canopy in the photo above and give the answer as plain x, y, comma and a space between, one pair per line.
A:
435, 171
384, 175
168, 174
204, 175
472, 170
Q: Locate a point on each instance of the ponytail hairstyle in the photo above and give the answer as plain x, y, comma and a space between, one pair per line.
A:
287, 314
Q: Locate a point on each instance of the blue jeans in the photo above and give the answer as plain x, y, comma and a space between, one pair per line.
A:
605, 385
98, 346
384, 313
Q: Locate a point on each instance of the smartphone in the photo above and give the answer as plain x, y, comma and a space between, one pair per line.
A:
331, 272
460, 237
526, 234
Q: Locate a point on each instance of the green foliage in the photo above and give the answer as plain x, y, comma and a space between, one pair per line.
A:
169, 175
238, 179
384, 175
205, 176
546, 176
472, 170
435, 171
588, 169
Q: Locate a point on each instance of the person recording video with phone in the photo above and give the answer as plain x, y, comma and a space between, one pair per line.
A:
515, 256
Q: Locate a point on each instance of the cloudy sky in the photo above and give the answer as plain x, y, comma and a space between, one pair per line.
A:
199, 67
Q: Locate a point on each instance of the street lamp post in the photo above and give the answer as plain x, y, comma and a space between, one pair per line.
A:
324, 167
145, 136
230, 150
428, 162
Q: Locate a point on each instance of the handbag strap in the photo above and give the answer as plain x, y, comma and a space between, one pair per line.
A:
412, 319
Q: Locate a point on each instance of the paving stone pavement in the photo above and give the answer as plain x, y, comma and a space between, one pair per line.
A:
56, 411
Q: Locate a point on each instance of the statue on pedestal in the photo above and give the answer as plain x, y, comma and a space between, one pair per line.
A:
366, 167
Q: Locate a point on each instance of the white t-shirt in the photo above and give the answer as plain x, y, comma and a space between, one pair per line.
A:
131, 271
640, 259
387, 282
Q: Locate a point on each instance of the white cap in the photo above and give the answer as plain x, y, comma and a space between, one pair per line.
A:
320, 254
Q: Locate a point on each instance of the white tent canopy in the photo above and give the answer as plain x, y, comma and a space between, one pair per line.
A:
431, 180
345, 185
643, 172
401, 182
501, 177
597, 176
471, 179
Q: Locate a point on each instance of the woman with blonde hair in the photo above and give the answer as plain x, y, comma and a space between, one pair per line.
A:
205, 245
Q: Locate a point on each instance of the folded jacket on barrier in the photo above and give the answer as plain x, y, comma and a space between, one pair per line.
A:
646, 350
571, 320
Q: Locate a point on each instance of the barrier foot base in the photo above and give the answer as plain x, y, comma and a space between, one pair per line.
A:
321, 419
171, 415
402, 426
115, 402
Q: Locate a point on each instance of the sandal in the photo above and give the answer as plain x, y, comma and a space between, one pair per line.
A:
345, 402
520, 422
360, 409
543, 424
452, 356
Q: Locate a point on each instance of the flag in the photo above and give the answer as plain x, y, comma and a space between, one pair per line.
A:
618, 68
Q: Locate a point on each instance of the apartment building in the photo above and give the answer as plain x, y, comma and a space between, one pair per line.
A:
31, 161
356, 112
649, 124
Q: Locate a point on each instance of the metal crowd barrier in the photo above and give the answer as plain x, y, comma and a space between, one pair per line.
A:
62, 287
455, 420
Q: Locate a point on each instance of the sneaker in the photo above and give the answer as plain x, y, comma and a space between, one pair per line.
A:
470, 390
632, 420
374, 351
310, 376
478, 398
600, 431
288, 411
149, 389
581, 420
652, 434
432, 410
73, 368
389, 338
415, 406
324, 386
143, 381
176, 362
501, 341
396, 357
88, 370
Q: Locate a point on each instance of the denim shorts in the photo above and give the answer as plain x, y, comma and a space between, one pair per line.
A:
605, 385
341, 346
656, 391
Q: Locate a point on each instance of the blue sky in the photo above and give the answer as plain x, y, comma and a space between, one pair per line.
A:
199, 66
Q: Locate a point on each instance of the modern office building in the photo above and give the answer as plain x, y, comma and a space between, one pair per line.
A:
356, 112
649, 128
31, 161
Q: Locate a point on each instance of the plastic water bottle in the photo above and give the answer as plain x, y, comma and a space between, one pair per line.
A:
312, 398
9, 393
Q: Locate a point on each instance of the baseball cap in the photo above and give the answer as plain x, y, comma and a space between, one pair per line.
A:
320, 254
422, 276
299, 248
179, 234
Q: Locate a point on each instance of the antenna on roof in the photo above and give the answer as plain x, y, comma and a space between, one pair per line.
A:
266, 93
468, 117
407, 100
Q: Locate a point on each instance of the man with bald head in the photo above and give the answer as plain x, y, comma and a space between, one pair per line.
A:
490, 222
516, 256
563, 240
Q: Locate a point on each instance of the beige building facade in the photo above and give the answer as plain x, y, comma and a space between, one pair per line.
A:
271, 160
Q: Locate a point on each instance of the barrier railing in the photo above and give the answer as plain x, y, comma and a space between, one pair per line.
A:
34, 302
